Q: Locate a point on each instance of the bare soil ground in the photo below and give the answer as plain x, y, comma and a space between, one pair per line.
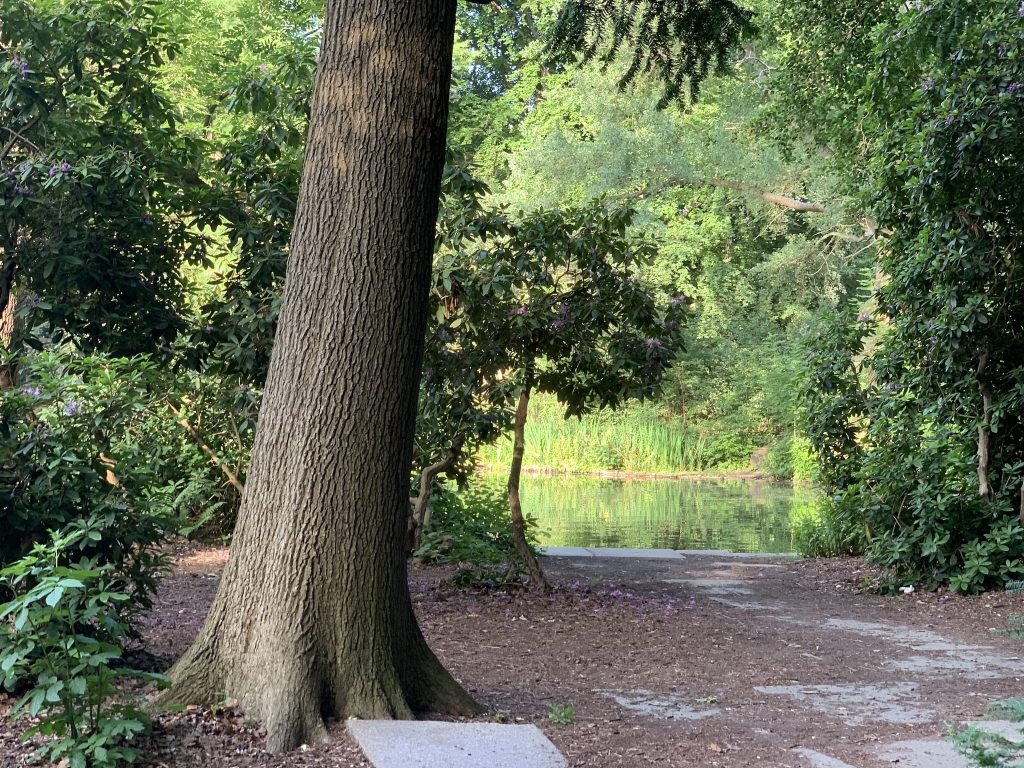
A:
702, 661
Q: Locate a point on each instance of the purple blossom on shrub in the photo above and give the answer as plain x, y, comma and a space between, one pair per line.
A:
1014, 87
71, 408
679, 300
32, 391
20, 65
559, 324
652, 344
519, 312
563, 310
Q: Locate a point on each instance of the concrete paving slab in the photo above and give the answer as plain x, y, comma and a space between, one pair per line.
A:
819, 759
565, 551
859, 704
643, 554
666, 706
922, 753
716, 586
432, 744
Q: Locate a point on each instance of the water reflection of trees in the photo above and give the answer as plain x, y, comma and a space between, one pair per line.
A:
740, 515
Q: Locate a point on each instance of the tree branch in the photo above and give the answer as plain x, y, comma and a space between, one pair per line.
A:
420, 517
792, 203
198, 439
15, 136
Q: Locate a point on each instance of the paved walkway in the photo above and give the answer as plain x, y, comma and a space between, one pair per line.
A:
908, 678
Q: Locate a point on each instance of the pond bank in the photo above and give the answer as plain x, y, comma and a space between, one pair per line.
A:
617, 474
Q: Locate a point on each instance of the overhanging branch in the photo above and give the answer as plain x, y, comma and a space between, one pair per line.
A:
786, 201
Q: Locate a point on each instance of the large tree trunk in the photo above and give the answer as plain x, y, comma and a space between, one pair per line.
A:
514, 502
313, 618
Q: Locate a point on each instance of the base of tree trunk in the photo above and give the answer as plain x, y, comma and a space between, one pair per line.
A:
296, 694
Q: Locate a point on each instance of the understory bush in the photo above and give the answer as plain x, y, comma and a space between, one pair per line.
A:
83, 440
820, 529
471, 528
60, 643
790, 458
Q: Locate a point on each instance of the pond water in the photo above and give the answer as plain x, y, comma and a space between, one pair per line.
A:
739, 515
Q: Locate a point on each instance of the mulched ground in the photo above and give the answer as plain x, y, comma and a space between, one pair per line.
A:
616, 627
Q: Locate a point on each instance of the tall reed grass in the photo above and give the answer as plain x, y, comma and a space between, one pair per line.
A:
635, 439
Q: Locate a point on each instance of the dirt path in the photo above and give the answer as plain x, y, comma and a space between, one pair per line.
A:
699, 661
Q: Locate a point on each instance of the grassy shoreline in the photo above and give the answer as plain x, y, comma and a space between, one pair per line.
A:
621, 474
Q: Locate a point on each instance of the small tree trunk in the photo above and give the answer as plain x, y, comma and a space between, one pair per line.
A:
419, 517
8, 306
984, 429
514, 502
313, 619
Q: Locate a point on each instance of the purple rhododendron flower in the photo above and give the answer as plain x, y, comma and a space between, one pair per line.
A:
1014, 87
653, 344
71, 408
32, 391
519, 312
20, 65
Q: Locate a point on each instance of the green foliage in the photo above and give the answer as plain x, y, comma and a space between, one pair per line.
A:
81, 441
95, 176
833, 400
923, 443
681, 43
471, 529
984, 749
791, 458
562, 714
59, 638
823, 529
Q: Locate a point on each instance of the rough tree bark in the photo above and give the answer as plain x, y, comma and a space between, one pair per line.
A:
8, 306
515, 504
984, 429
313, 619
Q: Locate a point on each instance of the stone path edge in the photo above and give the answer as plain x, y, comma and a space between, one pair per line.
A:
660, 554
